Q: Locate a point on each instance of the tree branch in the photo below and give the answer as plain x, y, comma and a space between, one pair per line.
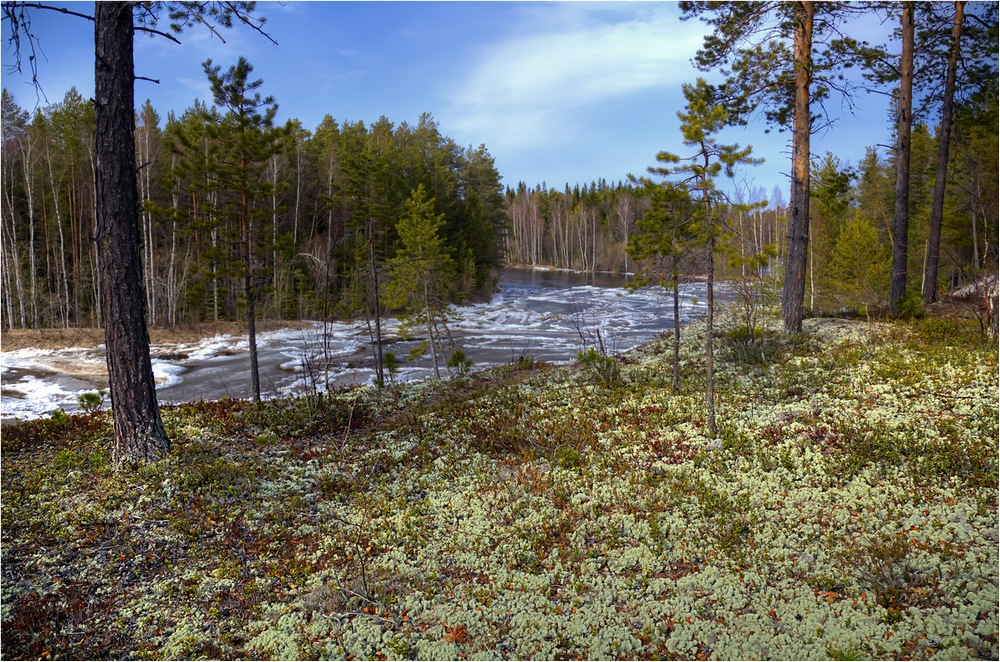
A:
142, 28
211, 28
61, 10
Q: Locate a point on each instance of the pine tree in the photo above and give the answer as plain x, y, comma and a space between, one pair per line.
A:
139, 432
422, 272
859, 264
250, 138
750, 42
664, 236
700, 121
904, 125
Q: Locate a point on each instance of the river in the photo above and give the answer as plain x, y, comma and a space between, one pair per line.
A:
542, 314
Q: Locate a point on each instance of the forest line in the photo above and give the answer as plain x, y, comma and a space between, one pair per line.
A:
244, 217
324, 198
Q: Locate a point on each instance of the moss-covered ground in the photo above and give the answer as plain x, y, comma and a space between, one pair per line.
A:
847, 509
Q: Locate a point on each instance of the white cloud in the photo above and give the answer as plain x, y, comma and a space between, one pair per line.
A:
566, 59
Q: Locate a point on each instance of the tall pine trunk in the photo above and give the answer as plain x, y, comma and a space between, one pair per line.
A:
941, 171
139, 433
904, 121
793, 292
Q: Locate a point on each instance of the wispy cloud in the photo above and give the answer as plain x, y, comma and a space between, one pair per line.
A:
565, 59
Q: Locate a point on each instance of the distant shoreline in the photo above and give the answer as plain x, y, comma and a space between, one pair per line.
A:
63, 338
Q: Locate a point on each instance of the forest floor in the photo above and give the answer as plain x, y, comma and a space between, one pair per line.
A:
846, 509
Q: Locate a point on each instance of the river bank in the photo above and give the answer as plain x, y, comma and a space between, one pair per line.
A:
547, 316
61, 338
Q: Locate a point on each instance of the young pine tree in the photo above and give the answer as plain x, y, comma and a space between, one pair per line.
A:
249, 137
663, 238
423, 270
700, 121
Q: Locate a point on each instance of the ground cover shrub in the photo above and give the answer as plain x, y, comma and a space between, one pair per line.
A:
603, 368
756, 346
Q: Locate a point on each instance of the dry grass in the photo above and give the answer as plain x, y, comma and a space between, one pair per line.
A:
15, 339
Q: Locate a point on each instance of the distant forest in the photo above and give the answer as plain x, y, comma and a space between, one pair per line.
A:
325, 206
587, 228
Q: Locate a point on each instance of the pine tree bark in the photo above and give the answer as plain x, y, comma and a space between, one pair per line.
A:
941, 171
902, 210
793, 291
139, 432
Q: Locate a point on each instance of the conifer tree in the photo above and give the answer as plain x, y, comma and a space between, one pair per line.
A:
422, 272
663, 237
904, 126
249, 137
700, 121
750, 43
139, 432
859, 264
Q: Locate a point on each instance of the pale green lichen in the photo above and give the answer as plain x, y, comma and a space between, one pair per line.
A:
847, 508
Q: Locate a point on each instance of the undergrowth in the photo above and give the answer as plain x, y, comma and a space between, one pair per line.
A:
847, 509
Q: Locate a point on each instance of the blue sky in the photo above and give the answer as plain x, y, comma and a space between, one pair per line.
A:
558, 92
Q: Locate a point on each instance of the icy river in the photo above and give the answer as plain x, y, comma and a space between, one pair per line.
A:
544, 315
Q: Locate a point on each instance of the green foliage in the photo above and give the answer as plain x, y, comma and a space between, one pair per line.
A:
603, 368
421, 275
569, 458
911, 306
460, 362
752, 345
954, 331
419, 350
391, 363
846, 653
859, 266
93, 402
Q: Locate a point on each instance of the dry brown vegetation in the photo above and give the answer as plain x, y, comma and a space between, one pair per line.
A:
62, 338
